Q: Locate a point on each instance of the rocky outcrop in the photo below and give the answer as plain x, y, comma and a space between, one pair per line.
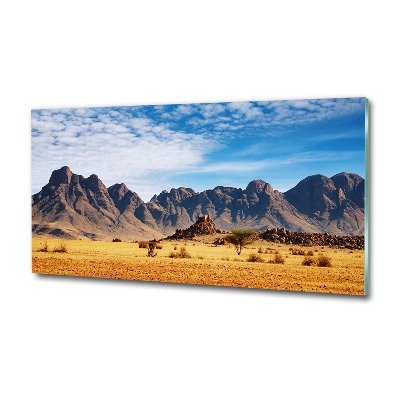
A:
203, 226
281, 235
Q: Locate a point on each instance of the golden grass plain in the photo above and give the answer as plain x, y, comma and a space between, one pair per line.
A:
208, 265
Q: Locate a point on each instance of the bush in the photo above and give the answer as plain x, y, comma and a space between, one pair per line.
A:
151, 252
62, 248
278, 259
117, 240
45, 248
308, 261
310, 253
260, 250
182, 254
298, 252
158, 246
143, 244
254, 258
324, 261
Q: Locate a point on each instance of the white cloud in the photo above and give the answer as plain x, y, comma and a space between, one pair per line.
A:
46, 124
334, 136
185, 109
124, 149
318, 156
238, 166
97, 126
211, 110
127, 145
247, 109
308, 111
299, 103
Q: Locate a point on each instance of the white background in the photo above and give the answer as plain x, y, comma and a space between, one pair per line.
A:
75, 338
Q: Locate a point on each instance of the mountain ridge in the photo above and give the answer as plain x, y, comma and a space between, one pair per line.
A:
72, 206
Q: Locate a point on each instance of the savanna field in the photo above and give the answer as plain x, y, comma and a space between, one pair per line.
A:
274, 266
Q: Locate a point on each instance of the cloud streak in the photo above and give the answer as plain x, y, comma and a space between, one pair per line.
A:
245, 165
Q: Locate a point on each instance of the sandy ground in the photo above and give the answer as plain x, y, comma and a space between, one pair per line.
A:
208, 265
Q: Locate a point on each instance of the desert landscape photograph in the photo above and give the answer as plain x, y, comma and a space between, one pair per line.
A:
255, 194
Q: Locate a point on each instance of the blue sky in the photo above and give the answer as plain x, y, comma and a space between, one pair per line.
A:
155, 148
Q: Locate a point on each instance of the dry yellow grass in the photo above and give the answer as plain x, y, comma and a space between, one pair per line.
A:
209, 265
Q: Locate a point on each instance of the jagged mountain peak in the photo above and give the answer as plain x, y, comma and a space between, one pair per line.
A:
259, 186
174, 195
346, 181
118, 190
314, 180
94, 183
80, 206
72, 206
60, 176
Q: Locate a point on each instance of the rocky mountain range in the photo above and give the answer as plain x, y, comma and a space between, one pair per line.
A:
72, 206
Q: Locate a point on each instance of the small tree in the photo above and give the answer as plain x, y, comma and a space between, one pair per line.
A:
240, 238
151, 249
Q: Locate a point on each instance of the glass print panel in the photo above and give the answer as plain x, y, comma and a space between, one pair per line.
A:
255, 194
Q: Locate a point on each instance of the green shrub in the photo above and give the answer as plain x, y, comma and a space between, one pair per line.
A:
240, 238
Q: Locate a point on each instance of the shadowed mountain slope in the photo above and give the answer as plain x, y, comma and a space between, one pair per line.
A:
73, 206
335, 205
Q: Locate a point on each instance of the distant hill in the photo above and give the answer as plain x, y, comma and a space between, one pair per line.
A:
72, 206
